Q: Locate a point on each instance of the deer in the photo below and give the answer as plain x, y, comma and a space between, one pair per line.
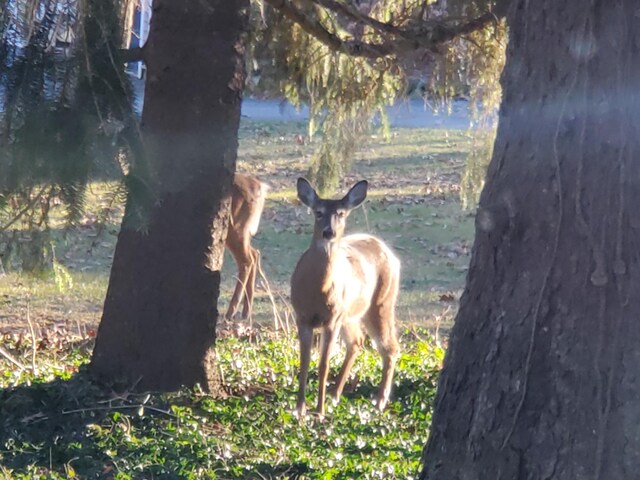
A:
248, 196
344, 285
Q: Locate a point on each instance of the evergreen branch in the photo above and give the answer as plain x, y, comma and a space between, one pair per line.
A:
351, 13
313, 27
428, 36
442, 33
21, 213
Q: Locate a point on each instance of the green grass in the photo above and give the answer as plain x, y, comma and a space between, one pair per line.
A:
55, 424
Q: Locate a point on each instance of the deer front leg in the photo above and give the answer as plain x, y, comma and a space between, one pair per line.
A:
305, 337
329, 335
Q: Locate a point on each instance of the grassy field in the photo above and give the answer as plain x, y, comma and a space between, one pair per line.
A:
413, 205
55, 424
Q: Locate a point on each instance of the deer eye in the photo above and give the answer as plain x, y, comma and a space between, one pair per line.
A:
319, 213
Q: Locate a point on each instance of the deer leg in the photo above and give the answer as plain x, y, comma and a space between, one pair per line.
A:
380, 324
242, 256
250, 286
305, 337
388, 366
329, 335
387, 345
354, 338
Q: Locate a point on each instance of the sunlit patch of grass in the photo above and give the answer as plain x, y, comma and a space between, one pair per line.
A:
57, 424
76, 305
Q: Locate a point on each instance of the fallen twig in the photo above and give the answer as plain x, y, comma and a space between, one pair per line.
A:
33, 340
12, 359
95, 409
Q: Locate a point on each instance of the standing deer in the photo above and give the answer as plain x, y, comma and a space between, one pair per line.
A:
248, 195
344, 284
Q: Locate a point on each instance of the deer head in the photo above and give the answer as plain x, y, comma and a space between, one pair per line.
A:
331, 215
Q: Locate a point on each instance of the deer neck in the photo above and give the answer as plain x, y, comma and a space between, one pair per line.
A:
325, 255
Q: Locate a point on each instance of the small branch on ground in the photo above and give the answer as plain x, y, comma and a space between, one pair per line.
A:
33, 339
12, 359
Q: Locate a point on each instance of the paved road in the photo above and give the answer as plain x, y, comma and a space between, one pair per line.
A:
410, 113
406, 114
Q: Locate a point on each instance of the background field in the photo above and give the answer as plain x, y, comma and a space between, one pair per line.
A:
413, 205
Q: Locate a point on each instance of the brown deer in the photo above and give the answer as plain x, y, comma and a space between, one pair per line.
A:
344, 284
248, 195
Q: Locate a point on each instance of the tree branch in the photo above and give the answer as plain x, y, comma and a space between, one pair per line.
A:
351, 13
430, 36
315, 28
443, 33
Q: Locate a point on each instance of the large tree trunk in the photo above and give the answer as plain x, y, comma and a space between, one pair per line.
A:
160, 313
541, 378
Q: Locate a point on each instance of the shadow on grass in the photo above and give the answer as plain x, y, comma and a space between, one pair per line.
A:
43, 426
75, 429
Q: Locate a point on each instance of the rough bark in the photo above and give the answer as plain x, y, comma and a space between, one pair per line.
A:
160, 313
540, 380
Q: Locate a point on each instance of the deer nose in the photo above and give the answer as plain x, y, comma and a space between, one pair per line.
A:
328, 233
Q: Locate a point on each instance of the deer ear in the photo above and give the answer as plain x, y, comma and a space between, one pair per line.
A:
356, 195
306, 193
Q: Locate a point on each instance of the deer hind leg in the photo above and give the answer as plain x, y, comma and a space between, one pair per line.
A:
380, 326
305, 337
241, 251
250, 286
389, 359
353, 336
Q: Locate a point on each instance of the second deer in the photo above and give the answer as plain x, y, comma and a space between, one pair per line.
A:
248, 195
344, 284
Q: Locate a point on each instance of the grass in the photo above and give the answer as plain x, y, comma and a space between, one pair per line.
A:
55, 424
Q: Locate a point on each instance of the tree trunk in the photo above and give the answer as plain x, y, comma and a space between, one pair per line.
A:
160, 313
541, 376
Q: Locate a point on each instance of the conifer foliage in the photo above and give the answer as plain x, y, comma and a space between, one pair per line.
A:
64, 113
